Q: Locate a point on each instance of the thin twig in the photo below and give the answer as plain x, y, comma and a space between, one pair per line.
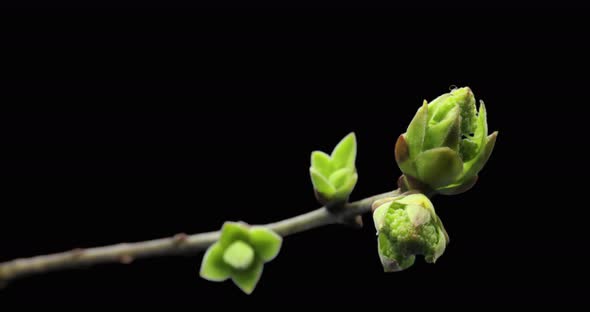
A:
178, 244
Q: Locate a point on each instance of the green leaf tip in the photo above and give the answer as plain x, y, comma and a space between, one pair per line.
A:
344, 154
446, 144
247, 280
266, 243
334, 176
321, 162
240, 254
416, 133
213, 268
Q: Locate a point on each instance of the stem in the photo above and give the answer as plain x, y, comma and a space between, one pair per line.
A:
179, 244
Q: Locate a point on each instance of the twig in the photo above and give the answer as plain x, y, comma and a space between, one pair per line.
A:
179, 244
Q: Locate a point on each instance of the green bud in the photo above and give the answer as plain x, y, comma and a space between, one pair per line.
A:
240, 254
446, 144
408, 226
334, 176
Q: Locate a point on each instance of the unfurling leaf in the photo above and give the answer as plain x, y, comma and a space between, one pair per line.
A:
344, 154
446, 145
334, 176
240, 254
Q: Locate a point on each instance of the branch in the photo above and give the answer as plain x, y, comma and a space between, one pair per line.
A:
179, 244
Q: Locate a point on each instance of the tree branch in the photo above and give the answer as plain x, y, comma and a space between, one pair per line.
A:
178, 244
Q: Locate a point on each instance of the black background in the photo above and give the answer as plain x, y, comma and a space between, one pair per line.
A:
133, 124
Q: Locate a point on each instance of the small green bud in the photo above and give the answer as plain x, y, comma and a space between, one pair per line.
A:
408, 226
240, 254
446, 145
334, 176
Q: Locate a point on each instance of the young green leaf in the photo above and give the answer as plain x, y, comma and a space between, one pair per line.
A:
344, 154
473, 167
231, 232
266, 242
481, 130
213, 268
440, 247
339, 177
439, 167
321, 162
447, 132
321, 184
344, 191
416, 132
379, 215
246, 280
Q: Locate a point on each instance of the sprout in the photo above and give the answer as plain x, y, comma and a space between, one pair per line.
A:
408, 226
446, 145
240, 254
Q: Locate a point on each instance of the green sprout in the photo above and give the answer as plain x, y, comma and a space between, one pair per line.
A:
240, 254
408, 226
446, 144
334, 176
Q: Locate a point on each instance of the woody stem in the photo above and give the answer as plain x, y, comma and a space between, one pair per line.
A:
178, 244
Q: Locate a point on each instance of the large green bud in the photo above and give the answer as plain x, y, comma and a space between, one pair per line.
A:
408, 226
446, 145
